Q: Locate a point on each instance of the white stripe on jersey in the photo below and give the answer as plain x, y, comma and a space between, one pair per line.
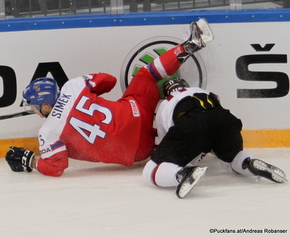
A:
159, 67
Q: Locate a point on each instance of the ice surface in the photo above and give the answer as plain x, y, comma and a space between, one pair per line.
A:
102, 200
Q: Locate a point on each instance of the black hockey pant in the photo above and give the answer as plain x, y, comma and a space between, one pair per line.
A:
200, 126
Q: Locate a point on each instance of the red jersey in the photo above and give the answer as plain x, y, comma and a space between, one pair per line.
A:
84, 126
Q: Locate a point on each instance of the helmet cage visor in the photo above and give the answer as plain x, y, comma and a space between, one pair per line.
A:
31, 108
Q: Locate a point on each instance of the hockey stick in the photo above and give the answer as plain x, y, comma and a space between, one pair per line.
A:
15, 115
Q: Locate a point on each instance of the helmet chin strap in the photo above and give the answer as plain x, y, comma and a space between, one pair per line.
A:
45, 115
45, 108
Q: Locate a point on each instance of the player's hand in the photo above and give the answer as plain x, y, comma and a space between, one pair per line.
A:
19, 159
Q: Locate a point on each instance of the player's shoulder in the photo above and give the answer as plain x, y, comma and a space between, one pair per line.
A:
196, 90
76, 80
73, 84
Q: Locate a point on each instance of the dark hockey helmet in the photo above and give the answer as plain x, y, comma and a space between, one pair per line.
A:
172, 84
40, 91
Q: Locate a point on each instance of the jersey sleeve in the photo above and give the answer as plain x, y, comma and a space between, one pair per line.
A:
101, 83
53, 166
161, 120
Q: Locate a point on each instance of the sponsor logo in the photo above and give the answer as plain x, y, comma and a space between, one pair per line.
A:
134, 108
45, 150
193, 70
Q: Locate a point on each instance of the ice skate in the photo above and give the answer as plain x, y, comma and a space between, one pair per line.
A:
200, 34
207, 34
265, 170
188, 177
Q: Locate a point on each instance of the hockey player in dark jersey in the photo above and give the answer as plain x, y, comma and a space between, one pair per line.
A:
191, 123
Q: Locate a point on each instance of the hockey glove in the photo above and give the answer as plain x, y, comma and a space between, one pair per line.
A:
19, 159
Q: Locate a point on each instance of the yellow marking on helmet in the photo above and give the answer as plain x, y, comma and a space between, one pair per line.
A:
180, 114
200, 101
209, 101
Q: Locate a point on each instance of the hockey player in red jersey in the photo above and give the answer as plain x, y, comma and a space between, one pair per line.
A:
82, 125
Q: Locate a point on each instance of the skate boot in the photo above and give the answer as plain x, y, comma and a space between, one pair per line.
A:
265, 170
188, 177
195, 42
200, 34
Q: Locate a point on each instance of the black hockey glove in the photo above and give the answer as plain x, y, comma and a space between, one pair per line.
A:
19, 159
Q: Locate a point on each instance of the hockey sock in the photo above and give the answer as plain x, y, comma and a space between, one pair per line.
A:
161, 175
166, 64
237, 163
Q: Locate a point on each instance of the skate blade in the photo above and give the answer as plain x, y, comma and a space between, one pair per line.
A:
188, 185
277, 174
207, 34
